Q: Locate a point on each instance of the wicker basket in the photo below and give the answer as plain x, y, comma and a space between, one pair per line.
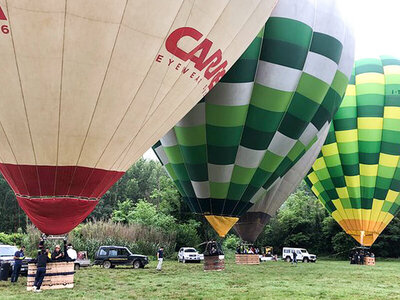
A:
214, 263
59, 275
247, 259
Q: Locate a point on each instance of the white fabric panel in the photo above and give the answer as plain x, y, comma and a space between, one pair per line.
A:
196, 117
347, 60
230, 94
220, 173
249, 158
169, 139
162, 155
320, 67
281, 144
201, 189
327, 14
303, 11
308, 134
277, 76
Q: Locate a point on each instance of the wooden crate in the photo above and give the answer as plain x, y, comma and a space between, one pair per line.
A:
247, 259
369, 261
59, 275
214, 263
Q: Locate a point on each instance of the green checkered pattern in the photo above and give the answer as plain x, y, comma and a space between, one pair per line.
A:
357, 174
265, 113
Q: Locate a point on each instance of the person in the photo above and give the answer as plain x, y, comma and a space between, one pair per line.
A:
18, 257
160, 257
361, 261
71, 253
48, 253
57, 253
294, 260
42, 260
238, 249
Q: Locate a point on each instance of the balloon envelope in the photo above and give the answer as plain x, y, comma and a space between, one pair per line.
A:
88, 86
357, 174
263, 115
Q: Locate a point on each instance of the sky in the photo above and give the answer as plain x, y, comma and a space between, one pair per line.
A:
376, 26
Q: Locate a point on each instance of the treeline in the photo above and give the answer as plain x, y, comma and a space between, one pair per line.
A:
146, 197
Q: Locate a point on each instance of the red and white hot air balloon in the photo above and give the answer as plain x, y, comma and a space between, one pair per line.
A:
89, 85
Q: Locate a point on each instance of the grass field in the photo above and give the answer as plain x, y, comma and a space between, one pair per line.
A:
272, 280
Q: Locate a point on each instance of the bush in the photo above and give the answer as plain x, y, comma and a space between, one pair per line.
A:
11, 239
231, 241
89, 237
187, 235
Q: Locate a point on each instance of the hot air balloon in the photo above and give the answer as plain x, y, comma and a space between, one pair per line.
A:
263, 115
88, 86
356, 176
252, 223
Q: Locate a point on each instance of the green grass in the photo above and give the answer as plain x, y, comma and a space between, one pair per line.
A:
272, 280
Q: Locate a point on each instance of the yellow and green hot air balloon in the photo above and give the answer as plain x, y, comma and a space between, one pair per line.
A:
265, 113
357, 174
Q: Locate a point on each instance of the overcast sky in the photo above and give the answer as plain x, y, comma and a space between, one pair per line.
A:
376, 26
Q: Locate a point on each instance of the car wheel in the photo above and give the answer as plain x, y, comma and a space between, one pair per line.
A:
136, 264
306, 260
288, 259
77, 266
107, 264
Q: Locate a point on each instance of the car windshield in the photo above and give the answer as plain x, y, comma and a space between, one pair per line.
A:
304, 250
190, 250
8, 251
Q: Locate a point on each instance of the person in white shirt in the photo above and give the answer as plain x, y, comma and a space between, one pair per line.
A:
71, 252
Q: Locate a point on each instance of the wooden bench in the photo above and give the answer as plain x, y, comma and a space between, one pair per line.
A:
247, 259
59, 275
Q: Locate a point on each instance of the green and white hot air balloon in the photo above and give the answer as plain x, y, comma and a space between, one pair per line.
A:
264, 114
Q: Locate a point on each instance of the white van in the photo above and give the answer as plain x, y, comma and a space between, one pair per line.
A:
302, 255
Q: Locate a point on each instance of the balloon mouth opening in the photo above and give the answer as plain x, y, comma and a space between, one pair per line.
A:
56, 215
221, 224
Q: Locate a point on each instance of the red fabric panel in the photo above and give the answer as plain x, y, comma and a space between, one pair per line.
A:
37, 181
64, 179
56, 215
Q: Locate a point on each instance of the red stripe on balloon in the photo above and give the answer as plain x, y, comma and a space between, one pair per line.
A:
37, 181
56, 215
53, 196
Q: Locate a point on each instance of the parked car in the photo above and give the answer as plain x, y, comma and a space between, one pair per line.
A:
111, 256
82, 260
7, 256
188, 254
302, 255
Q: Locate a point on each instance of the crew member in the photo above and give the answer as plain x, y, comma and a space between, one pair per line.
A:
18, 257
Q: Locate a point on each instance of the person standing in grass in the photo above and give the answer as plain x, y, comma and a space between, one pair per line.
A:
160, 257
18, 257
294, 261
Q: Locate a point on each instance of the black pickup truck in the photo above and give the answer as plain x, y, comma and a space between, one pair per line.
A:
110, 256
